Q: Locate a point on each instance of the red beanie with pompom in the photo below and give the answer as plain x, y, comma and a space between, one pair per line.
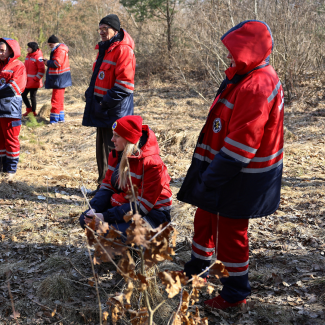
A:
129, 127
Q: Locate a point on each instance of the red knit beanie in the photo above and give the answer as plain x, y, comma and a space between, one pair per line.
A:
129, 127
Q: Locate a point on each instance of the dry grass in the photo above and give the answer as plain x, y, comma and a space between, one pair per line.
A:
55, 287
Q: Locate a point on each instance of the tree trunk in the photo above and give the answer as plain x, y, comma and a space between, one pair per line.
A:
169, 23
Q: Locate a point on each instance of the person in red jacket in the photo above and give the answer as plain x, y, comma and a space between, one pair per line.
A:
58, 77
135, 144
110, 92
12, 83
236, 169
35, 71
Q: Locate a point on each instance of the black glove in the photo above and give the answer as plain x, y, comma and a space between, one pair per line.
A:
104, 104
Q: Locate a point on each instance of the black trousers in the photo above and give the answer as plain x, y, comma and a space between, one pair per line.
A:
32, 92
104, 145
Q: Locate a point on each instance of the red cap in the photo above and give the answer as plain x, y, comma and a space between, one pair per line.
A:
129, 127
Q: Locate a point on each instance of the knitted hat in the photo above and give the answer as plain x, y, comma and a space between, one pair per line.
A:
33, 46
129, 127
111, 20
53, 39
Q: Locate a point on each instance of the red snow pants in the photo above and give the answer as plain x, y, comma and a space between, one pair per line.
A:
57, 101
228, 238
9, 144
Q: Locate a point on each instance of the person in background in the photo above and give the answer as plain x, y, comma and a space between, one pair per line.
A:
236, 169
110, 92
13, 80
35, 71
137, 145
58, 77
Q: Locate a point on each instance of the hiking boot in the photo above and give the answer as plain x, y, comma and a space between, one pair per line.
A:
219, 303
28, 110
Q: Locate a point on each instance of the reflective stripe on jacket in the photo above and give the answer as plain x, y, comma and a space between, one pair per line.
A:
35, 69
237, 164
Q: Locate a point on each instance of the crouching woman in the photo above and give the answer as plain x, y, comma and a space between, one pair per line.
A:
135, 145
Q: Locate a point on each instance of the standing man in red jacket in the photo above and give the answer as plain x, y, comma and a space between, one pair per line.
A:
110, 93
12, 84
58, 77
237, 164
35, 71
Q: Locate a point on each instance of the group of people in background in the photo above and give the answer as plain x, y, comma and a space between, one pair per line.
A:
17, 81
236, 168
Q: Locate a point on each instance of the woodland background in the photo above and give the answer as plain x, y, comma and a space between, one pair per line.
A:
44, 259
175, 39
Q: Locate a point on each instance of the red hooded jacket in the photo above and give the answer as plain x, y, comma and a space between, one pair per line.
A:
13, 72
35, 69
13, 80
148, 173
237, 163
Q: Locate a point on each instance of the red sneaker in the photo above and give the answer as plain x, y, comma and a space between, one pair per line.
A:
28, 110
219, 303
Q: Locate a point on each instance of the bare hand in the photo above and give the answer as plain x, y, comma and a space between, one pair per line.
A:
98, 218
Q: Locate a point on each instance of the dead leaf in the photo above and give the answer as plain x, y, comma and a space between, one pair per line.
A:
218, 270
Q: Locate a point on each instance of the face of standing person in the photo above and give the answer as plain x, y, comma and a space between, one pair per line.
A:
119, 142
5, 51
232, 61
52, 45
106, 32
29, 50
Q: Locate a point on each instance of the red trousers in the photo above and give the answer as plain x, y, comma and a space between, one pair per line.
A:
9, 144
228, 238
57, 101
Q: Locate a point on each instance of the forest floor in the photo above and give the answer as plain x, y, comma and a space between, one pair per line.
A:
43, 253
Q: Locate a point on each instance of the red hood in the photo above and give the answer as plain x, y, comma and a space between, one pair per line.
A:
127, 40
250, 43
151, 147
14, 46
38, 52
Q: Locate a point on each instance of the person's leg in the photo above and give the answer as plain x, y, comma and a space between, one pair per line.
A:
26, 101
12, 145
233, 251
203, 244
2, 143
55, 103
103, 148
61, 92
33, 92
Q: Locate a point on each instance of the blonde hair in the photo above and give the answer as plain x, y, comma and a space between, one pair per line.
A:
131, 149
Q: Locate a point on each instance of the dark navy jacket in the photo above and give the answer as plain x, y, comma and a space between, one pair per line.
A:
58, 74
237, 164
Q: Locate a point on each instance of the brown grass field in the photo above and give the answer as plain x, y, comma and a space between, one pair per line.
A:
43, 254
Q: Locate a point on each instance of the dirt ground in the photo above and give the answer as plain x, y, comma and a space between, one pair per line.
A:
43, 255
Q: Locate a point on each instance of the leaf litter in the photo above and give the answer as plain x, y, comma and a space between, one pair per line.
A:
287, 249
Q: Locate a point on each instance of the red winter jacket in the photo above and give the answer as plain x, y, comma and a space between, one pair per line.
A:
12, 82
148, 173
237, 163
35, 69
117, 68
58, 74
